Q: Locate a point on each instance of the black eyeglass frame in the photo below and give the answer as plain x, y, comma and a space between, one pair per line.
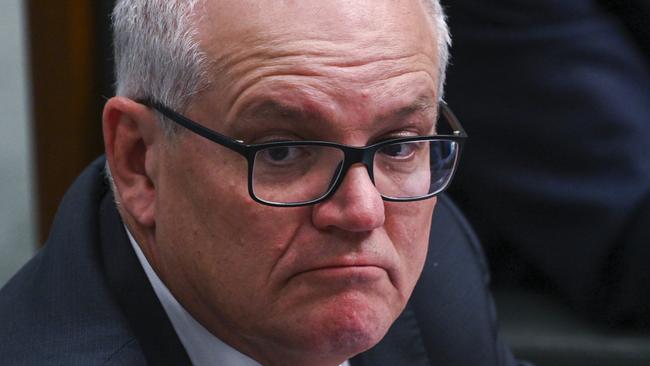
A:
351, 154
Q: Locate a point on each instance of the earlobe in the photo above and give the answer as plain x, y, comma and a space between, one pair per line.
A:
130, 136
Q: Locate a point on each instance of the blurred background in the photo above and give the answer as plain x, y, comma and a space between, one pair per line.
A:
17, 219
55, 69
554, 94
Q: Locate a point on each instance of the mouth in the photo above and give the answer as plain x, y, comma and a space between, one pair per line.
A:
351, 274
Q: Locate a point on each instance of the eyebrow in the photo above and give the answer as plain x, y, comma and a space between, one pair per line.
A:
275, 110
421, 104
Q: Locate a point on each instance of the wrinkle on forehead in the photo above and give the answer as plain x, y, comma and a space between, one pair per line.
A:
317, 58
378, 78
319, 45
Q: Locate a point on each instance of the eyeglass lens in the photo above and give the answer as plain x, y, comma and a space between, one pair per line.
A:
303, 173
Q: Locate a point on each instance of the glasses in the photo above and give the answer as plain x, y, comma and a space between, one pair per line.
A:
298, 173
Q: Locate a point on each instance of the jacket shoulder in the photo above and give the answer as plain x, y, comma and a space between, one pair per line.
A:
452, 296
58, 308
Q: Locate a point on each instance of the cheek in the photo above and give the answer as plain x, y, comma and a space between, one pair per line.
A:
223, 241
408, 225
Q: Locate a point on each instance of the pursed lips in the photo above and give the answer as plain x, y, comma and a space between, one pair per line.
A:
356, 268
338, 267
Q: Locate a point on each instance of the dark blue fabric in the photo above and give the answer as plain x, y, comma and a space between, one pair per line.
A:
555, 96
57, 310
135, 295
85, 300
450, 319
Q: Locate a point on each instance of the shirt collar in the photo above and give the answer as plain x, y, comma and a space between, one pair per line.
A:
202, 347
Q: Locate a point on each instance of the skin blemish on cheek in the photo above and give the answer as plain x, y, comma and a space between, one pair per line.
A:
365, 95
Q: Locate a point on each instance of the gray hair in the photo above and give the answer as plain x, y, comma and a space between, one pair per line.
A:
443, 39
158, 56
157, 53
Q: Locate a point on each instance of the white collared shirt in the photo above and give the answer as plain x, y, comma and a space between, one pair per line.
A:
203, 348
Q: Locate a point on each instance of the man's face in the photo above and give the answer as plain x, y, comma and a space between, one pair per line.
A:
325, 280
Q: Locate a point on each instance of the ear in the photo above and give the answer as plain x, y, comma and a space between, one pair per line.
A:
131, 139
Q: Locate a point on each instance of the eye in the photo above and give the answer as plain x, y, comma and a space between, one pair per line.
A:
282, 155
399, 150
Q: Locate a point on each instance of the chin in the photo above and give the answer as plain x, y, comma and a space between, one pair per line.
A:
350, 326
327, 329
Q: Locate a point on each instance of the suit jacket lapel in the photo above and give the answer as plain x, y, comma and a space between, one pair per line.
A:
402, 345
129, 283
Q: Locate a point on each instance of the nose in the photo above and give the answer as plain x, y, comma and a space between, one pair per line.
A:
356, 206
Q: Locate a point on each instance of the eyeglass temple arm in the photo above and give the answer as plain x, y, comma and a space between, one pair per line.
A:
203, 131
239, 146
456, 127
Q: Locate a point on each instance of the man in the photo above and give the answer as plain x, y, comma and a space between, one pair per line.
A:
275, 173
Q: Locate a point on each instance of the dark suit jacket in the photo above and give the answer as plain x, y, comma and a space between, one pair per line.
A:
555, 96
85, 300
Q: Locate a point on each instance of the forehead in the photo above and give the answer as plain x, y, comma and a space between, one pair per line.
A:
318, 47
316, 19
